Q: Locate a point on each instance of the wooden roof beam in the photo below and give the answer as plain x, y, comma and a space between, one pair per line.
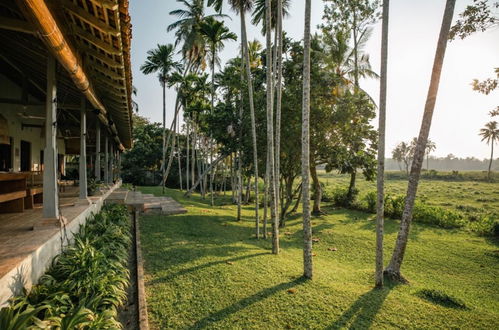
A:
102, 57
108, 4
99, 43
17, 25
90, 19
106, 71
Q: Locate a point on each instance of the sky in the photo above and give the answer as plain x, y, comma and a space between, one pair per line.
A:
459, 114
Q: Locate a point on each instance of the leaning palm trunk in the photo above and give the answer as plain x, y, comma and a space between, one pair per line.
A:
380, 207
305, 158
278, 59
204, 174
393, 269
252, 113
179, 156
270, 132
173, 134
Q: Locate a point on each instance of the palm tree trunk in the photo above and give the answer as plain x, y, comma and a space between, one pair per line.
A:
266, 196
204, 173
240, 152
170, 159
270, 130
163, 159
305, 158
380, 209
212, 108
252, 113
193, 156
179, 156
187, 169
491, 158
393, 269
278, 58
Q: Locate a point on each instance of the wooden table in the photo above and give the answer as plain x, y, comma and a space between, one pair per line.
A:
12, 192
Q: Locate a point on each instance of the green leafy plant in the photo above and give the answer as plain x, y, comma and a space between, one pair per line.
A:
85, 284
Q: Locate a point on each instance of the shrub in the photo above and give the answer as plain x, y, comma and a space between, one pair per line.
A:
86, 283
438, 216
339, 197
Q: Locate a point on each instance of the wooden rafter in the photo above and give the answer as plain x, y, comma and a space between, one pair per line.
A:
90, 19
99, 43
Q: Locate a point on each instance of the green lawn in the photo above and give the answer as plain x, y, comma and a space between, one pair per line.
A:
205, 270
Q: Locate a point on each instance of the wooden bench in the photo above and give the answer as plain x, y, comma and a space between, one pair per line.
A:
12, 192
34, 195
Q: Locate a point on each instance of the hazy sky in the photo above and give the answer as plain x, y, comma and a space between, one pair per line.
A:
414, 26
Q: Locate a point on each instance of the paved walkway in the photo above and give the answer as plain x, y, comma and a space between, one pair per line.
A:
146, 203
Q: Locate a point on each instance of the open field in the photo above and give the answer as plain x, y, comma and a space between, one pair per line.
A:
472, 198
205, 270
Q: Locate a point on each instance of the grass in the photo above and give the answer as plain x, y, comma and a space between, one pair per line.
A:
466, 196
205, 270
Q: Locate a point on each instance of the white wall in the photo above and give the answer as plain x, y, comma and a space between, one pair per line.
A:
33, 135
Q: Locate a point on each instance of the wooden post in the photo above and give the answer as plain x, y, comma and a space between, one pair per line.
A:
106, 159
111, 163
97, 151
50, 197
83, 150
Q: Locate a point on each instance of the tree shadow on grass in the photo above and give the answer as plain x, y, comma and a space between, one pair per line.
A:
361, 314
186, 271
246, 302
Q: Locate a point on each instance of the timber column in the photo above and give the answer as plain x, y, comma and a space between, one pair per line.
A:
97, 151
106, 159
50, 196
111, 164
83, 150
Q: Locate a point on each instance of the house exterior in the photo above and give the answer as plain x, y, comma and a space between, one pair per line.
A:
65, 93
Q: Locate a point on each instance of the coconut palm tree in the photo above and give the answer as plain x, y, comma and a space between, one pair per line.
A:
278, 10
393, 269
187, 31
430, 147
259, 13
270, 131
160, 60
490, 134
242, 7
215, 33
381, 149
305, 157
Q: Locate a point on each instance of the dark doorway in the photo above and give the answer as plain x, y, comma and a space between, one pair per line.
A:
25, 156
6, 156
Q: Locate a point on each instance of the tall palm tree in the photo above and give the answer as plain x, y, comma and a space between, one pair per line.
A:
393, 269
490, 134
215, 33
430, 147
270, 131
279, 9
381, 149
259, 13
242, 7
161, 61
187, 30
305, 154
